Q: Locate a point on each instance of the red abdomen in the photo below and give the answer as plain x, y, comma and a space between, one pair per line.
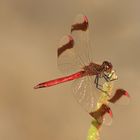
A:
60, 80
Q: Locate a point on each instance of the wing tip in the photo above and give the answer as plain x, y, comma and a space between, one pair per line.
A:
68, 45
83, 26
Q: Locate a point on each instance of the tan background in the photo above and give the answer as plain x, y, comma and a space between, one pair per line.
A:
29, 33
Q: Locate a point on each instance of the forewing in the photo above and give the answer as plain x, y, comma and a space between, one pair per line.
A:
74, 51
66, 58
80, 33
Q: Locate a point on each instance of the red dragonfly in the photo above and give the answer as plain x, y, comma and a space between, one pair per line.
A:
75, 56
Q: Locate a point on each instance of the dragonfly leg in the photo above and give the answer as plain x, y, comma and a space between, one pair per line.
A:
113, 79
109, 78
106, 78
96, 81
111, 75
97, 85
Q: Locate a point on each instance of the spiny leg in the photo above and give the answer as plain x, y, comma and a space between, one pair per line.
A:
109, 78
97, 85
106, 78
96, 81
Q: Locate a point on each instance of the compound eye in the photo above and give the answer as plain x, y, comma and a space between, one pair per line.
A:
107, 67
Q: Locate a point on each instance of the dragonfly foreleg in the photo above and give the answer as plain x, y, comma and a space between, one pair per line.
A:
109, 78
113, 79
106, 77
96, 81
97, 85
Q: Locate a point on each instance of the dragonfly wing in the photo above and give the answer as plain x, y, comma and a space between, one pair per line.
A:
85, 93
107, 119
102, 114
67, 60
120, 97
74, 51
80, 33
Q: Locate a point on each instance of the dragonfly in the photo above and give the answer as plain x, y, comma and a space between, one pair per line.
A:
75, 58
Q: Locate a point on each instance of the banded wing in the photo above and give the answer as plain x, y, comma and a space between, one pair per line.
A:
80, 33
99, 114
84, 89
74, 51
67, 60
120, 97
74, 54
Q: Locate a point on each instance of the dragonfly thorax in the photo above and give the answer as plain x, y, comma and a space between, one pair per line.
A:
92, 69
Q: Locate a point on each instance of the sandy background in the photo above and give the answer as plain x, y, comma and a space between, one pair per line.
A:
29, 34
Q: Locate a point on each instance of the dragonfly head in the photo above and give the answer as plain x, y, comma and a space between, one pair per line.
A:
107, 66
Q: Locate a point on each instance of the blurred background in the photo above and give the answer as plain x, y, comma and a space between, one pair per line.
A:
30, 31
